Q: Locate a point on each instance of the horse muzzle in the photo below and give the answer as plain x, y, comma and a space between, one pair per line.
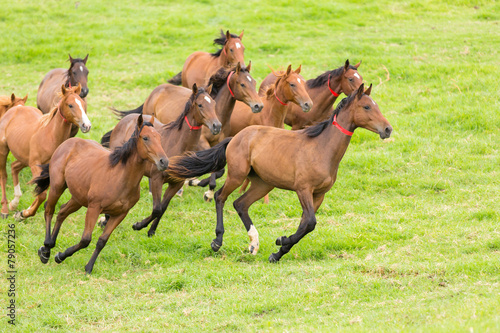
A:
84, 92
256, 107
306, 106
162, 163
386, 133
85, 127
215, 128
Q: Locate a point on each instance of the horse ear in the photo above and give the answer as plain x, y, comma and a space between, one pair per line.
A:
63, 90
289, 69
369, 90
12, 97
209, 89
241, 35
357, 65
85, 59
25, 98
249, 66
298, 69
70, 58
139, 121
346, 66
78, 89
152, 121
228, 35
238, 68
360, 91
195, 89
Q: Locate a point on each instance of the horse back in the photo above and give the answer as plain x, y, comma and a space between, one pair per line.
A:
167, 102
47, 95
198, 68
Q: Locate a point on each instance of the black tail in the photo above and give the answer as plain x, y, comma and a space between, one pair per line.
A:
105, 139
177, 80
199, 163
43, 181
123, 114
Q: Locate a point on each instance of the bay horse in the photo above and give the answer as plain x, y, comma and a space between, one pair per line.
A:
8, 102
200, 66
103, 181
177, 137
304, 161
32, 137
323, 90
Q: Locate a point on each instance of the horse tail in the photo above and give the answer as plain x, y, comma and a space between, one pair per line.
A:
43, 181
123, 114
195, 164
105, 139
177, 80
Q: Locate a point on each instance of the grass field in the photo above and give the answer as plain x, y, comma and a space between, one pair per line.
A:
408, 239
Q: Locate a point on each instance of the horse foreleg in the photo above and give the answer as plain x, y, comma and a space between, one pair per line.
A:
209, 195
16, 167
113, 222
307, 224
4, 151
258, 189
35, 171
155, 186
90, 221
169, 194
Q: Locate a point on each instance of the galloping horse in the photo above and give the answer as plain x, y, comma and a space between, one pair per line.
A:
304, 161
200, 66
323, 90
8, 102
103, 181
177, 137
33, 137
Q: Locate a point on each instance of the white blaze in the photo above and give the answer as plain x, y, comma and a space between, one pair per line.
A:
207, 99
298, 80
85, 119
238, 45
357, 75
81, 68
249, 79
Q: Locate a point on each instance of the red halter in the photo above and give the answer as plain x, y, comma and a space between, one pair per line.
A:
278, 98
59, 111
228, 87
331, 90
191, 127
343, 130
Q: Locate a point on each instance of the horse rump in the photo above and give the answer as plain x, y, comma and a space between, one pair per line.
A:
176, 80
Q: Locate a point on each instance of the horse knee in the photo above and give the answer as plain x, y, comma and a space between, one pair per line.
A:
239, 207
85, 241
311, 224
101, 243
156, 212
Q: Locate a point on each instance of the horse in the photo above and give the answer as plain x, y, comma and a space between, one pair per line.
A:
8, 102
32, 137
304, 161
323, 90
200, 66
177, 137
103, 181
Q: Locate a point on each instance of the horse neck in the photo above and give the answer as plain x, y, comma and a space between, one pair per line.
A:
322, 98
58, 129
131, 172
273, 113
176, 141
224, 105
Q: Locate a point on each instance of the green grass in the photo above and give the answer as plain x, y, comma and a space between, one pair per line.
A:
408, 239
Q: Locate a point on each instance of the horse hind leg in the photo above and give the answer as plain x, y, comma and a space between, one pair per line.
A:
155, 186
4, 151
169, 194
16, 167
35, 171
209, 195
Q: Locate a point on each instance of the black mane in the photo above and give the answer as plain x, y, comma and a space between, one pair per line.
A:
221, 41
123, 153
218, 80
315, 130
180, 120
323, 78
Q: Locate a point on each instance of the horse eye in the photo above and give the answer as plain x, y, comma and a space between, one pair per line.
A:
70, 105
145, 138
74, 73
350, 79
366, 107
292, 85
231, 50
242, 84
199, 105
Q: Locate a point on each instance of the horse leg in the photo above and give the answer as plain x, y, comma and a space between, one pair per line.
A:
258, 189
169, 194
155, 186
307, 224
4, 151
244, 186
16, 167
35, 171
113, 222
90, 221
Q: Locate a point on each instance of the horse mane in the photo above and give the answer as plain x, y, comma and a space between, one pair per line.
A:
221, 41
180, 120
124, 152
323, 78
218, 80
46, 118
272, 87
315, 130
68, 72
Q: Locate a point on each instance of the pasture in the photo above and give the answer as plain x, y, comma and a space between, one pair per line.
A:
408, 239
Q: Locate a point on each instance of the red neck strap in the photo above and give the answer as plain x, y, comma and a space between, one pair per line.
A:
191, 127
59, 111
331, 90
278, 98
229, 78
343, 130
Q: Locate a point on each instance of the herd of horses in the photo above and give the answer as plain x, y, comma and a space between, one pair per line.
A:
208, 117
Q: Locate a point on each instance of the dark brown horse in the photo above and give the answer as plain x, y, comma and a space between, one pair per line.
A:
177, 137
200, 66
33, 137
8, 102
323, 90
303, 161
103, 181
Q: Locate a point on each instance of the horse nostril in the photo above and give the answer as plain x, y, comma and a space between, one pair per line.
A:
388, 130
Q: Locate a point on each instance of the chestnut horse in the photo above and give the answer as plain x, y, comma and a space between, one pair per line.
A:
323, 90
200, 66
177, 137
103, 181
8, 102
304, 161
33, 137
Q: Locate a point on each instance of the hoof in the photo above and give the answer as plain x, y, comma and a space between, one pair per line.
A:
13, 206
151, 233
19, 216
137, 226
88, 271
273, 258
180, 192
215, 246
279, 240
102, 222
57, 258
207, 198
5, 215
253, 250
43, 257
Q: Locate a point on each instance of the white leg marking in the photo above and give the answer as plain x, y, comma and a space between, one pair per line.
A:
195, 182
208, 99
209, 195
17, 194
253, 234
